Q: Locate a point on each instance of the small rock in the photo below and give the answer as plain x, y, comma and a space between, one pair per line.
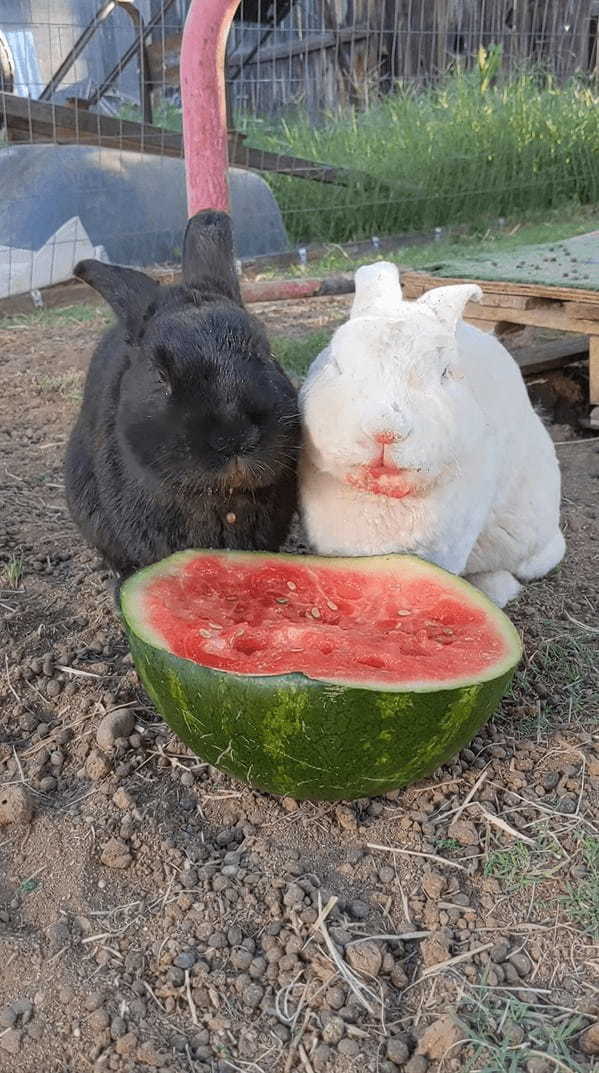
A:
417, 1064
186, 960
335, 998
99, 1020
435, 949
23, 1008
334, 1030
149, 1056
499, 953
358, 909
536, 1064
117, 724
11, 1041
96, 766
116, 854
365, 957
15, 806
8, 1017
520, 963
348, 1047
434, 884
122, 799
346, 818
464, 832
397, 1051
253, 995
589, 1041
127, 1045
440, 1037
321, 1056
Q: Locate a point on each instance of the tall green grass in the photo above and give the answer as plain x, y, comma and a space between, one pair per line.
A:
460, 152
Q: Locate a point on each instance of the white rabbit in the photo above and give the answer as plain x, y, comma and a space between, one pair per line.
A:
419, 437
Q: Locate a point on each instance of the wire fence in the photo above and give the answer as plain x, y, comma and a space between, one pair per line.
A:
365, 118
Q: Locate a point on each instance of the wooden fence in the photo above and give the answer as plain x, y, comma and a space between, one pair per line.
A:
328, 53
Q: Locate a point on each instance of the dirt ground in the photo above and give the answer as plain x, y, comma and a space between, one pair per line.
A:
156, 915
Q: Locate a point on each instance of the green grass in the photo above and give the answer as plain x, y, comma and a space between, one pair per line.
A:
445, 155
581, 903
504, 1033
80, 314
538, 227
295, 355
69, 385
471, 148
12, 572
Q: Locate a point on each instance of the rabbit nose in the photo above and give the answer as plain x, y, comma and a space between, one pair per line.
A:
385, 438
230, 444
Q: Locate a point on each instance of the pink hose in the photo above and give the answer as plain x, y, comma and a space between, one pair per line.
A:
204, 103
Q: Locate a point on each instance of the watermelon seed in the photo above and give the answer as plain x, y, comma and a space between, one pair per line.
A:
332, 606
403, 613
291, 585
315, 612
205, 633
281, 600
448, 630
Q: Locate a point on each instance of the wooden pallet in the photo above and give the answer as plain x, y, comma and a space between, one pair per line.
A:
564, 309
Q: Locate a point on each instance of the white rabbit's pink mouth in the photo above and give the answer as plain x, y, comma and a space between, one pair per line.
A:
382, 480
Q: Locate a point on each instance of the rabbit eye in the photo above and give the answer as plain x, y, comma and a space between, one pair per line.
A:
445, 373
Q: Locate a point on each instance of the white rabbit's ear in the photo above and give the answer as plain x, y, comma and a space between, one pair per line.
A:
448, 303
378, 293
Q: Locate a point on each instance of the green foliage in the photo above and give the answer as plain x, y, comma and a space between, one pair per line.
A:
441, 156
489, 64
295, 355
582, 901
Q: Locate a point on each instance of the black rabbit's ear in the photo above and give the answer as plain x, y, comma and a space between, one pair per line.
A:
208, 259
127, 291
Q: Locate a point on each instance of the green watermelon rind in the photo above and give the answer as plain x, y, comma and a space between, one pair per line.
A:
295, 736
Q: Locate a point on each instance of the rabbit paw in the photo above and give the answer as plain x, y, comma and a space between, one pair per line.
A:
499, 585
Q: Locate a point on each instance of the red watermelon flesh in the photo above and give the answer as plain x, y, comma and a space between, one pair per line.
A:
393, 622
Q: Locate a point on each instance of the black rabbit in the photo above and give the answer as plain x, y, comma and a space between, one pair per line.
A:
188, 433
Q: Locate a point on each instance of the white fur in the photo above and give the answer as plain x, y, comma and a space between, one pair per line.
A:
480, 469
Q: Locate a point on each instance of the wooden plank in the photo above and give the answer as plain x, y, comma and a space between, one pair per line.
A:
29, 120
583, 310
594, 370
35, 120
551, 354
534, 290
555, 318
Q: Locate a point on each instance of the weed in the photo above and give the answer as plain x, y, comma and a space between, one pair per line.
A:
581, 903
504, 1032
511, 866
446, 844
68, 385
12, 571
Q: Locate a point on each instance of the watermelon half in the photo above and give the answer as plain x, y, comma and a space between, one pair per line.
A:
313, 677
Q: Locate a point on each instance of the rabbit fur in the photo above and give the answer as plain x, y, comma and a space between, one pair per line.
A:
419, 437
189, 431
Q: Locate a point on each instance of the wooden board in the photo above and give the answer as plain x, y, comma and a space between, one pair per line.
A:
28, 120
414, 283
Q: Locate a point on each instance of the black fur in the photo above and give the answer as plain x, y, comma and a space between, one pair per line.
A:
186, 417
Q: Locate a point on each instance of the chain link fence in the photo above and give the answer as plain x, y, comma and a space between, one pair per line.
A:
365, 118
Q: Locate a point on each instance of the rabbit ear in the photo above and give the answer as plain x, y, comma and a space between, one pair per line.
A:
127, 291
378, 293
208, 261
448, 303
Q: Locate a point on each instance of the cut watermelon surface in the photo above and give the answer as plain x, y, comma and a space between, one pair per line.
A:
318, 677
